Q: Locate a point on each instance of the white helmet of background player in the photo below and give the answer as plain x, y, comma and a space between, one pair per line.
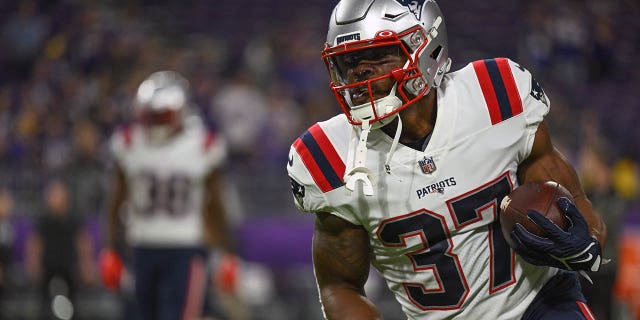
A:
362, 27
161, 103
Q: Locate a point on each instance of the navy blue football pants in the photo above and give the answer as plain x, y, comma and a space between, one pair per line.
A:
170, 284
560, 299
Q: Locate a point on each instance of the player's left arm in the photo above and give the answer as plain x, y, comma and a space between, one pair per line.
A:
547, 163
216, 225
217, 237
580, 247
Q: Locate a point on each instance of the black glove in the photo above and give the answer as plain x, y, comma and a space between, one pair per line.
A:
574, 249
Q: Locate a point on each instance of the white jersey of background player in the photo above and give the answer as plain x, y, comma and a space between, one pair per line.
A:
430, 206
166, 182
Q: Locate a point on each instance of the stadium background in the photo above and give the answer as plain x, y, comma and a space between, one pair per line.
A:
68, 69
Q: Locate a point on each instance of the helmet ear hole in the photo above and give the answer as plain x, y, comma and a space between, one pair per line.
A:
435, 53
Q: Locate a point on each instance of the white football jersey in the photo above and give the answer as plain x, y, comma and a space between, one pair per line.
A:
166, 184
433, 220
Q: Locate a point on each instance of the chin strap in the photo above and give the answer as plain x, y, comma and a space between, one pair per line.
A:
359, 159
360, 171
394, 145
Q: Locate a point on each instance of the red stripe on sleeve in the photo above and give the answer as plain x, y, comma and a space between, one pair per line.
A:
487, 90
328, 150
510, 85
312, 166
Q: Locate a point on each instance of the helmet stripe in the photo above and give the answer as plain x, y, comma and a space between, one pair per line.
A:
320, 158
499, 88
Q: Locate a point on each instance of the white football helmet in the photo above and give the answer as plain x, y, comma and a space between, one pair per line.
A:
414, 28
161, 104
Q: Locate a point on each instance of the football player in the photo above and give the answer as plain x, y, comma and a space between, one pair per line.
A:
167, 186
409, 179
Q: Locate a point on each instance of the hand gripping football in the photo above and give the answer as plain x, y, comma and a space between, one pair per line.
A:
539, 196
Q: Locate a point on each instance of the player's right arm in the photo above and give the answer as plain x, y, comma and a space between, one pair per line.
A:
341, 257
341, 249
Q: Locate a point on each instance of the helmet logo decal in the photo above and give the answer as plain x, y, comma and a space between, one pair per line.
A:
355, 36
385, 33
415, 6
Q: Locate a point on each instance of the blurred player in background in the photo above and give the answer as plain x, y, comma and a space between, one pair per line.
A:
166, 200
411, 176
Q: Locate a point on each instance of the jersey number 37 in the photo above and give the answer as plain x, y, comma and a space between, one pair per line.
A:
437, 254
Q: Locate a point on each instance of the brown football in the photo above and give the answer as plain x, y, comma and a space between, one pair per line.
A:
539, 196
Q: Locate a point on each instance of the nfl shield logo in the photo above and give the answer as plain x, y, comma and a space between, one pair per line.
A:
427, 165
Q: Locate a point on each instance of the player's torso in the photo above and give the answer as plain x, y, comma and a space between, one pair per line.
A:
434, 224
165, 186
433, 219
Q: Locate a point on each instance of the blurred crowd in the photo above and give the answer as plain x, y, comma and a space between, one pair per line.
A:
69, 69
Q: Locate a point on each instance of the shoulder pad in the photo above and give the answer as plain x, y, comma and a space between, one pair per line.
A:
316, 165
499, 88
507, 89
122, 139
320, 158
